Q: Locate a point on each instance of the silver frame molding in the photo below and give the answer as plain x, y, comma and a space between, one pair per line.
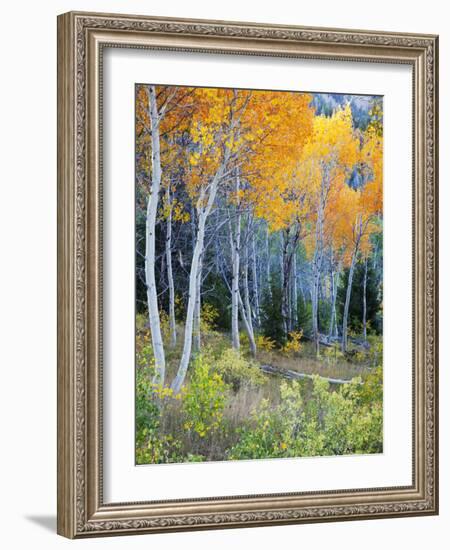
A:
81, 39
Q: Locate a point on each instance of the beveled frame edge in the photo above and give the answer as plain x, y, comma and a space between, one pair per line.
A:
80, 509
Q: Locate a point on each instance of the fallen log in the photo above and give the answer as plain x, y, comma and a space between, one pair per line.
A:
294, 375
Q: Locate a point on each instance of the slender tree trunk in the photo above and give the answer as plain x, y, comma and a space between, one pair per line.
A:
150, 248
289, 297
172, 322
268, 276
255, 282
284, 282
203, 213
294, 290
188, 329
334, 288
198, 308
336, 285
332, 309
317, 269
347, 300
248, 308
288, 253
235, 243
248, 326
365, 302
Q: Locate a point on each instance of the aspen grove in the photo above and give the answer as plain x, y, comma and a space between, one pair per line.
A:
259, 274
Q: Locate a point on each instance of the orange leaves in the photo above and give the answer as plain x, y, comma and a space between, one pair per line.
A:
292, 163
334, 140
280, 124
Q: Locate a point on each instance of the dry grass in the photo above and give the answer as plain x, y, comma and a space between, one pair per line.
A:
306, 362
243, 401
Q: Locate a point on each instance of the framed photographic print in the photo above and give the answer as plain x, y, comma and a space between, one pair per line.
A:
247, 282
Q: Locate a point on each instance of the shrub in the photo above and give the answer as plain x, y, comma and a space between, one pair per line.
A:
203, 401
284, 431
208, 317
264, 342
333, 353
152, 446
141, 322
165, 325
329, 422
375, 352
293, 345
236, 370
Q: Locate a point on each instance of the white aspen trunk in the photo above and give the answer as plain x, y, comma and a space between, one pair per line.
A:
347, 301
235, 243
255, 282
150, 256
349, 284
268, 276
198, 308
365, 302
203, 213
336, 287
235, 301
289, 295
189, 325
317, 268
281, 259
294, 289
318, 254
248, 308
248, 326
284, 283
172, 321
333, 278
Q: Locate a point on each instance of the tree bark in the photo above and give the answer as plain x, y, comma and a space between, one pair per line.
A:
248, 308
203, 213
198, 308
331, 326
333, 320
284, 281
365, 302
294, 290
347, 301
150, 248
359, 233
255, 282
317, 269
248, 326
235, 243
268, 276
289, 249
172, 321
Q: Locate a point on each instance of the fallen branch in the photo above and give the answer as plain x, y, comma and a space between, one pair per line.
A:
294, 375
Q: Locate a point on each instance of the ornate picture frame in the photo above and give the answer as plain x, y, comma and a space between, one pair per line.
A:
82, 38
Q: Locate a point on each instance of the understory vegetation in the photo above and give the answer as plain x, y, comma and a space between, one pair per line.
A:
229, 409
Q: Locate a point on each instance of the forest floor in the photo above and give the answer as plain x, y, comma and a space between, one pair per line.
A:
329, 366
241, 391
332, 365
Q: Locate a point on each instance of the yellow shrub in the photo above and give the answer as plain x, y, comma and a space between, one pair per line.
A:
264, 342
208, 318
237, 370
293, 345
